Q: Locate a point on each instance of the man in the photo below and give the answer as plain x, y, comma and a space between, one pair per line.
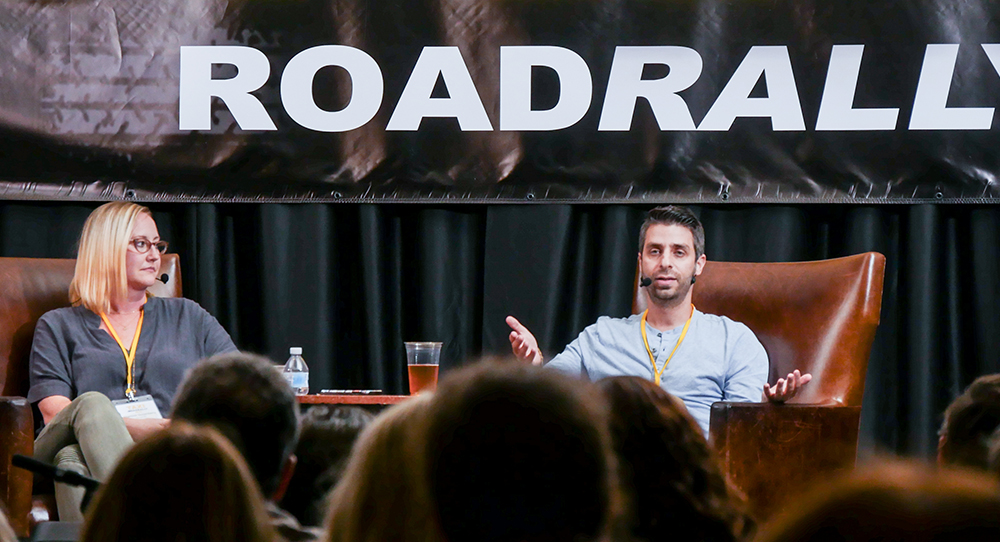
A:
246, 399
700, 358
969, 421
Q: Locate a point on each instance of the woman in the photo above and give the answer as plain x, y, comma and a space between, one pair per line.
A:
678, 491
184, 483
115, 343
383, 494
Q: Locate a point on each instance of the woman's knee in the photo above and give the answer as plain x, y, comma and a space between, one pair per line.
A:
93, 399
71, 458
94, 406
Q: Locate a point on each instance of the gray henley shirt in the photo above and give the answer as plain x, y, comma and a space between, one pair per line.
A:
719, 360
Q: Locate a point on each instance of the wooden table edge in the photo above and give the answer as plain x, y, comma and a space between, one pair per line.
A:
351, 399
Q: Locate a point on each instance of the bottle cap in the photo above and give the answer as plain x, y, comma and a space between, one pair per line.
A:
295, 350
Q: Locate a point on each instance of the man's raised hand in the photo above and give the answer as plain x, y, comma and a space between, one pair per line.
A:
523, 343
786, 388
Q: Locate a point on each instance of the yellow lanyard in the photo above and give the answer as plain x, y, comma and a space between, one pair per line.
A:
129, 354
652, 360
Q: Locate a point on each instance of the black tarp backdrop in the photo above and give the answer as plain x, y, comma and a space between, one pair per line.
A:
350, 283
89, 103
89, 111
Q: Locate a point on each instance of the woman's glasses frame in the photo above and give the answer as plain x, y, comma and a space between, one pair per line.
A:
142, 245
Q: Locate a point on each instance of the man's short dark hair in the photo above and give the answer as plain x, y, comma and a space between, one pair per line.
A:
517, 453
969, 421
325, 440
245, 397
674, 214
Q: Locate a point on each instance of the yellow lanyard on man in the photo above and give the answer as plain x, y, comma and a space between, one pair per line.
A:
129, 353
652, 360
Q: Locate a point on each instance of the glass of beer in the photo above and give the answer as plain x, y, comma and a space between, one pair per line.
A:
422, 360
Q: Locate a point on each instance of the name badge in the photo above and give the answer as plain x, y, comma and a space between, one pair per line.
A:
143, 408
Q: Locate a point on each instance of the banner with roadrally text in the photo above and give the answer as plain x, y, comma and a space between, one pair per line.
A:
861, 101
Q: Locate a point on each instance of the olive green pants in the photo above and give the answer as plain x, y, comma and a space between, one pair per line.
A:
88, 437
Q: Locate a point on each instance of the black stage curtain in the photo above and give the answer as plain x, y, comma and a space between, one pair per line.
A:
349, 283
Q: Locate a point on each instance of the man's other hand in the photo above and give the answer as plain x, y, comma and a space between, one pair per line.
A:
786, 388
523, 343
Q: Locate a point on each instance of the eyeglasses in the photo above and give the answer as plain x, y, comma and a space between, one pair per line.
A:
142, 245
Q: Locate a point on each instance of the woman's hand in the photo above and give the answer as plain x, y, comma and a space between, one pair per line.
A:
140, 429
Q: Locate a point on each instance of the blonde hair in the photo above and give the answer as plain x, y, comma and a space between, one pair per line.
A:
185, 482
100, 276
383, 495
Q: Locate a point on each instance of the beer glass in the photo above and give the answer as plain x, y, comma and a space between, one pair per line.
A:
422, 360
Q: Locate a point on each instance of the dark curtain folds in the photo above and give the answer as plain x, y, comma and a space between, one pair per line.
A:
350, 283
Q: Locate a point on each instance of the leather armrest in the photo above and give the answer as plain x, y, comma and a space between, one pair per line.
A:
772, 452
17, 436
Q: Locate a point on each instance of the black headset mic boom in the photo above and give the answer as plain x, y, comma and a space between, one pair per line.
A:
646, 281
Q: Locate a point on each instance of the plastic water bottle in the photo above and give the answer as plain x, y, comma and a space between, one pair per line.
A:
297, 372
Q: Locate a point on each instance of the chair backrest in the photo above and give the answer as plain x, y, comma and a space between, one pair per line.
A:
819, 317
30, 287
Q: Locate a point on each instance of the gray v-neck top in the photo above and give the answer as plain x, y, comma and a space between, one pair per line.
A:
71, 355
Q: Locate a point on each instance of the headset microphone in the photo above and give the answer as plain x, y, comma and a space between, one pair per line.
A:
646, 281
164, 278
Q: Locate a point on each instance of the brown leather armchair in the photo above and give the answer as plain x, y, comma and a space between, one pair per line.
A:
29, 287
819, 317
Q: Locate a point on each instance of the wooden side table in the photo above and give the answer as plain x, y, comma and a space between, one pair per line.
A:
352, 399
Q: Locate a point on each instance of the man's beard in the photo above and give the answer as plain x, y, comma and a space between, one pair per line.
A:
664, 298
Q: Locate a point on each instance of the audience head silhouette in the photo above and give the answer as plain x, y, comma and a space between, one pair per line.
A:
895, 502
968, 423
519, 454
326, 436
246, 399
383, 496
677, 489
183, 483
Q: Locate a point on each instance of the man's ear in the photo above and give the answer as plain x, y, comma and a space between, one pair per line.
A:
699, 264
287, 470
940, 451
